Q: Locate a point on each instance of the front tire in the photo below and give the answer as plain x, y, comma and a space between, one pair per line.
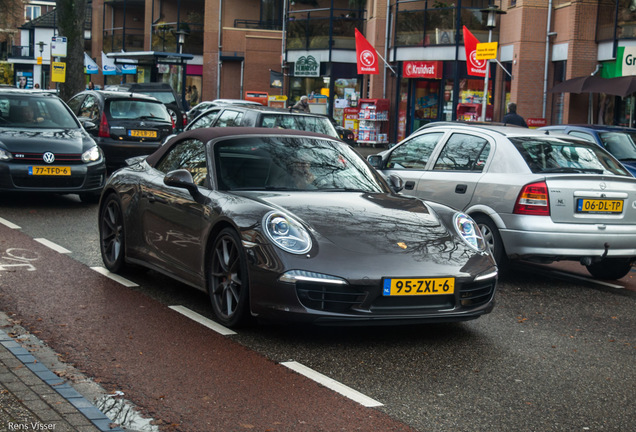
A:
610, 268
493, 239
111, 234
228, 282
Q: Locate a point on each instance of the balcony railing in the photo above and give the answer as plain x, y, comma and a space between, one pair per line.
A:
164, 37
258, 25
127, 39
323, 29
22, 51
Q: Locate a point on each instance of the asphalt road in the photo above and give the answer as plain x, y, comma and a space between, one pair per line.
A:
556, 354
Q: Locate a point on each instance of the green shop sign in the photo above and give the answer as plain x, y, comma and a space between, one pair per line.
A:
624, 65
307, 66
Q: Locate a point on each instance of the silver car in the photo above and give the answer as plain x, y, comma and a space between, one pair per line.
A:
535, 196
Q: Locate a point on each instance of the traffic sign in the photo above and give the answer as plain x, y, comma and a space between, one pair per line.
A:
58, 46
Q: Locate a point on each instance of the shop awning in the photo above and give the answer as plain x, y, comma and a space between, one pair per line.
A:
621, 86
577, 85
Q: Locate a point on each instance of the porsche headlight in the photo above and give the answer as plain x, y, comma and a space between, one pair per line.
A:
5, 155
468, 230
286, 233
92, 154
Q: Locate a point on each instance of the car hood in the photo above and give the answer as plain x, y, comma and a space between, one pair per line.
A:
365, 223
41, 140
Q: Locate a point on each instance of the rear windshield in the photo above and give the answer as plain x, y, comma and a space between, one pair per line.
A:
35, 113
131, 109
299, 122
560, 155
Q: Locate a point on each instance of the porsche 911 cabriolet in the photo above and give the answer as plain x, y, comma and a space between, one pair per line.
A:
284, 225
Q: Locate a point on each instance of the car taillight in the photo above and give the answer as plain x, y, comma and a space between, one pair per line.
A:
104, 129
533, 200
184, 120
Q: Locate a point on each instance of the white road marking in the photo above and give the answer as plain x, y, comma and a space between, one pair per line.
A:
54, 246
332, 384
212, 325
115, 277
9, 224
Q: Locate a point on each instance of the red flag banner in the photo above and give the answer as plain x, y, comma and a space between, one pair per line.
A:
474, 67
366, 56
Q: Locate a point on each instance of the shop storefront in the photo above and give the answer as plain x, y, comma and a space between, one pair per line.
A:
426, 94
331, 86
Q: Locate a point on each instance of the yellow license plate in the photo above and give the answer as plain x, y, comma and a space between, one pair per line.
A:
50, 170
142, 133
599, 206
429, 286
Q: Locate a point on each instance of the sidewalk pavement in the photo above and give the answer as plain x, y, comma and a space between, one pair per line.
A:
32, 398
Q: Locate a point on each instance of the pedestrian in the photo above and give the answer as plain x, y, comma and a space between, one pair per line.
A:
194, 96
302, 105
512, 117
36, 86
91, 86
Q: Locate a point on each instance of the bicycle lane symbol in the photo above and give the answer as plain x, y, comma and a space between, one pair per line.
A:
14, 258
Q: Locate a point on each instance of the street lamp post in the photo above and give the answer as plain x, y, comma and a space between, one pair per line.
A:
181, 35
41, 45
491, 22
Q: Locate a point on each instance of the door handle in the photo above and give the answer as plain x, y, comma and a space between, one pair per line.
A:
410, 185
461, 188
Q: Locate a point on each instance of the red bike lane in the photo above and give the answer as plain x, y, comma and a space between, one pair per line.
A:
182, 374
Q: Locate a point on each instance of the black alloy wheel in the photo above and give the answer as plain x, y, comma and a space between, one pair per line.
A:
229, 286
111, 234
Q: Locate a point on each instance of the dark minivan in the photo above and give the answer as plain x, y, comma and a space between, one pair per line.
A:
124, 125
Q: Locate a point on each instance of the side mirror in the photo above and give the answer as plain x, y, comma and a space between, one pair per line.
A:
396, 182
181, 179
375, 161
87, 124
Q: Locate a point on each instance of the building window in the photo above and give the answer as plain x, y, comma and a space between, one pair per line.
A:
32, 12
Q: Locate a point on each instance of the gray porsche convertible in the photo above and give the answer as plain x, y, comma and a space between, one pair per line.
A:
285, 225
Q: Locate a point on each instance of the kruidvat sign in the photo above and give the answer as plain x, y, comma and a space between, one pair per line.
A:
422, 69
307, 66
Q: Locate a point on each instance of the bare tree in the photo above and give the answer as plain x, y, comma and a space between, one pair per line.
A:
71, 15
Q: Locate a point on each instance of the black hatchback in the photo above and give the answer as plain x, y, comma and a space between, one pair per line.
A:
43, 148
124, 125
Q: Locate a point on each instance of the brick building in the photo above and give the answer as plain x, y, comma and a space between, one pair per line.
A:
289, 48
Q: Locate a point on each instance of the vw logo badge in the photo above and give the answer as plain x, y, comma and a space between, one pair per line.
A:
48, 157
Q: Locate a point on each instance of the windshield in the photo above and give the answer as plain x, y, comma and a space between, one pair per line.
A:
299, 122
620, 144
560, 155
292, 163
32, 112
165, 97
131, 109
